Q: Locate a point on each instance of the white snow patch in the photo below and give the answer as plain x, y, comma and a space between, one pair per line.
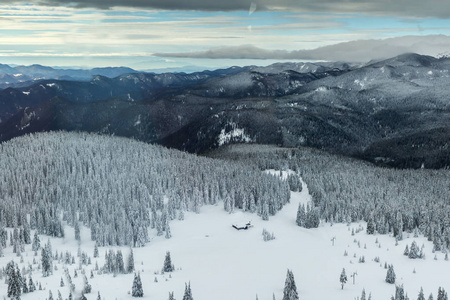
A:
236, 134
17, 75
26, 93
321, 89
51, 84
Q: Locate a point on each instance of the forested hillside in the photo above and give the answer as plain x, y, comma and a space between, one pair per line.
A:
120, 187
347, 190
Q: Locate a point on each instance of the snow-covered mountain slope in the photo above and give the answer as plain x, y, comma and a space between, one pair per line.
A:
222, 263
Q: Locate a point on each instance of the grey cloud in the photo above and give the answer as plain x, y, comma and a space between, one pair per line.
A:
355, 51
416, 8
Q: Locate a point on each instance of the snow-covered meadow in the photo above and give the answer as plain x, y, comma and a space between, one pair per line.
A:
222, 263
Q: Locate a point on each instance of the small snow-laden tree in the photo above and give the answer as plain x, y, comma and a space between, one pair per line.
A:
36, 244
87, 288
171, 296
50, 295
168, 267
399, 293
390, 275
187, 292
421, 295
363, 295
46, 262
301, 215
96, 250
14, 283
31, 286
414, 251
136, 290
130, 262
370, 225
406, 252
343, 278
290, 288
120, 266
442, 294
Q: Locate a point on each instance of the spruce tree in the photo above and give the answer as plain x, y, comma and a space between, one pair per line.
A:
168, 267
130, 262
187, 292
343, 278
171, 297
137, 290
421, 296
290, 288
390, 275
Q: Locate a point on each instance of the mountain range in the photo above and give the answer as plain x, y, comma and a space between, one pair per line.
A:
393, 112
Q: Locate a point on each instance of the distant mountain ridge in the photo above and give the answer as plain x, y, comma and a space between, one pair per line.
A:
394, 112
20, 76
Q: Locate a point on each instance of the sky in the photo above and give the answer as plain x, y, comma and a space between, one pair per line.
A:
157, 34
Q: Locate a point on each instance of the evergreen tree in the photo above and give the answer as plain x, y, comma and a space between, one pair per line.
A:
399, 293
442, 294
363, 295
171, 297
414, 251
98, 296
187, 292
59, 296
119, 262
130, 262
301, 215
370, 225
31, 286
50, 295
77, 231
290, 288
14, 283
168, 267
95, 250
46, 262
86, 287
421, 296
390, 275
343, 278
137, 290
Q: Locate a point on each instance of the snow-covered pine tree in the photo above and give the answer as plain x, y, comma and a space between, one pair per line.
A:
87, 288
414, 251
343, 278
96, 250
130, 262
168, 267
290, 288
421, 295
171, 296
370, 225
120, 266
46, 263
187, 292
390, 275
301, 215
442, 294
14, 282
136, 290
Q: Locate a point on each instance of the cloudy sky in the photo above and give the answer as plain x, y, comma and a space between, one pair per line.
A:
146, 34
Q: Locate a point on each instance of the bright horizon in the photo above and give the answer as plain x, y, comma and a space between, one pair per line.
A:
153, 35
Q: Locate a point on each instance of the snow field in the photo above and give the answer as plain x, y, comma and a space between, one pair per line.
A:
222, 263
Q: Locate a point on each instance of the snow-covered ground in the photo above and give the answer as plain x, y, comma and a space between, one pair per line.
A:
222, 263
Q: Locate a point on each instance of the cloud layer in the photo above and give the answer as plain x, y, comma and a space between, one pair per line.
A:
414, 8
355, 51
